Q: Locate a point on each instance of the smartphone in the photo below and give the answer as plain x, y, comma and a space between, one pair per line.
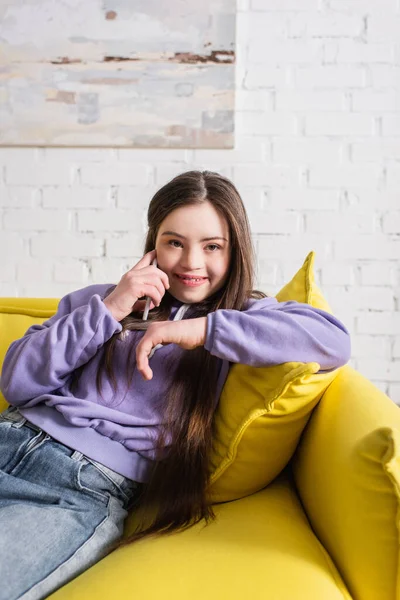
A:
148, 299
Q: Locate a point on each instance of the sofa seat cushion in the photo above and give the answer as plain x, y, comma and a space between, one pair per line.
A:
258, 547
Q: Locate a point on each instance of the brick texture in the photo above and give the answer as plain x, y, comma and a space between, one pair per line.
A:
316, 159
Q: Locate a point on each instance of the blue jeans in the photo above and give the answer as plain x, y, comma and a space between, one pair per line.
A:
59, 510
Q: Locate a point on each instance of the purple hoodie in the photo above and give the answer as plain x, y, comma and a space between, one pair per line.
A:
121, 429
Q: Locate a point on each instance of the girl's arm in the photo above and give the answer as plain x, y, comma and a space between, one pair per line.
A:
271, 333
42, 359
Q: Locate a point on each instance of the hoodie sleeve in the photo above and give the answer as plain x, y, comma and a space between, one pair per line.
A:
41, 360
270, 333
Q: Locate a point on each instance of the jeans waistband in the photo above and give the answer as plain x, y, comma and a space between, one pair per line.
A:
32, 425
13, 414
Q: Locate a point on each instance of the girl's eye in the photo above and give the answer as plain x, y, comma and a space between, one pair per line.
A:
177, 244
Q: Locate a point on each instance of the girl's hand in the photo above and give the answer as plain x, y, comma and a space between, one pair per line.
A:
187, 334
144, 279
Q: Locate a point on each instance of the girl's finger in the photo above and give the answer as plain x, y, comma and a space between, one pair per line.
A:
164, 278
159, 285
158, 278
140, 305
146, 260
143, 351
154, 293
147, 373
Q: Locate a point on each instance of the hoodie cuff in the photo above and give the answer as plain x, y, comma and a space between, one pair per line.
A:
210, 334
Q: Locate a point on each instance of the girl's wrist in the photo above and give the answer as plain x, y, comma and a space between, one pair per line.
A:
118, 316
203, 327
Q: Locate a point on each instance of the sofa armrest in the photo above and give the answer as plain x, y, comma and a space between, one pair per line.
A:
347, 472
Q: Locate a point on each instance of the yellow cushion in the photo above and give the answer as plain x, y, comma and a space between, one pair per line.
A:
302, 287
347, 471
259, 547
263, 410
16, 316
261, 416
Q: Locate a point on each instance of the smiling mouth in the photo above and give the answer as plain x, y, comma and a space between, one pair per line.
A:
189, 278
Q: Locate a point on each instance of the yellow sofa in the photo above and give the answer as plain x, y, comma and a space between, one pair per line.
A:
326, 528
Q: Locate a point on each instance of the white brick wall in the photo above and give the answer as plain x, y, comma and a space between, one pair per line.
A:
316, 161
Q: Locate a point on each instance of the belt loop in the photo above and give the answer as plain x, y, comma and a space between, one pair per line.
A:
76, 455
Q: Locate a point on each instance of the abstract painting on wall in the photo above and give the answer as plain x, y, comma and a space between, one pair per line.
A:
117, 73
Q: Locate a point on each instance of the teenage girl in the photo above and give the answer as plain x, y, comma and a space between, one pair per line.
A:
111, 413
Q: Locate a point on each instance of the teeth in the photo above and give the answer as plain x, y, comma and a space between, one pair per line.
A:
191, 279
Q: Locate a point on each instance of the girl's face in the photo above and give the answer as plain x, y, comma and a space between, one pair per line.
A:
193, 248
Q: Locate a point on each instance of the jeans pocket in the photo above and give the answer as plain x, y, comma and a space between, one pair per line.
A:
96, 481
17, 441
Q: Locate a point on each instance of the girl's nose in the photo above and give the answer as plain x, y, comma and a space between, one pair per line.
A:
192, 260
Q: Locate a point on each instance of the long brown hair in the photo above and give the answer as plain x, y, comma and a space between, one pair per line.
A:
178, 486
